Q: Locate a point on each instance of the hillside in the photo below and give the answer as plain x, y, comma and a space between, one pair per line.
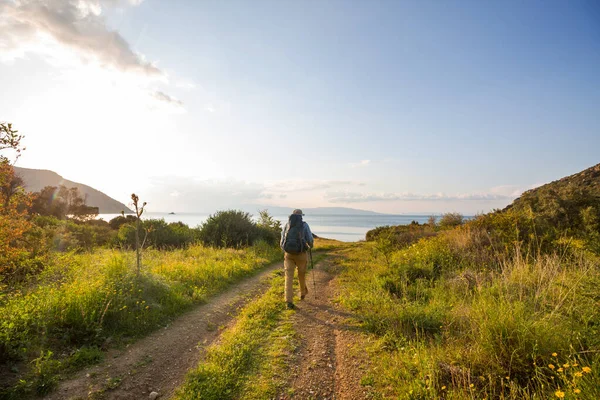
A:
37, 179
571, 203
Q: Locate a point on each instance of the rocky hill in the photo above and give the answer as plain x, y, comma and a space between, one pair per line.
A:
36, 179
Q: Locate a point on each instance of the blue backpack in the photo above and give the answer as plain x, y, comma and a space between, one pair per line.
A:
294, 242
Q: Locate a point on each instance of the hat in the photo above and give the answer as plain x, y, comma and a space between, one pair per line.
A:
298, 211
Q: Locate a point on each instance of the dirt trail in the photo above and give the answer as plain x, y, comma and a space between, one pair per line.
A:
326, 365
160, 361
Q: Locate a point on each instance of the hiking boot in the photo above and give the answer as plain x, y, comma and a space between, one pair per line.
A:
290, 305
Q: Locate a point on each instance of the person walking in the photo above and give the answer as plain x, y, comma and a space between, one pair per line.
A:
296, 240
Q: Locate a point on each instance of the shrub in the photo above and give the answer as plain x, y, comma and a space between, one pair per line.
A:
116, 222
401, 235
69, 235
158, 234
231, 228
268, 228
450, 220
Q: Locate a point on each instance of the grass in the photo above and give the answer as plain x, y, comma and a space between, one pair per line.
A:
249, 361
83, 302
449, 320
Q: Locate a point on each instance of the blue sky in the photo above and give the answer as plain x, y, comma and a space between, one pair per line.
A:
392, 106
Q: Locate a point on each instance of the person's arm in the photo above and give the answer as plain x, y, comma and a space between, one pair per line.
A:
308, 235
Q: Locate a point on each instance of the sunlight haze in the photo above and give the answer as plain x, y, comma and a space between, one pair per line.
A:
390, 106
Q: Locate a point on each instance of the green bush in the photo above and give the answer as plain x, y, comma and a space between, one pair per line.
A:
51, 233
158, 234
268, 228
450, 220
116, 222
231, 228
401, 235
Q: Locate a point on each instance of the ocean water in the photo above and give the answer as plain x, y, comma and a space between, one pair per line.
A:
347, 228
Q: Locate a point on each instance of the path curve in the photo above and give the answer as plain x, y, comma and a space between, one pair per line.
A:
160, 361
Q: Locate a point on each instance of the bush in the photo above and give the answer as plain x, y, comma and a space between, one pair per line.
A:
158, 234
401, 235
116, 222
450, 220
52, 233
268, 228
231, 228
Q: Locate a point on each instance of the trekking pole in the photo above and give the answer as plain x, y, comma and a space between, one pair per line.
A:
312, 266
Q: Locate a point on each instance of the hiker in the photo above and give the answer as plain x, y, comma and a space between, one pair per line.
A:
296, 239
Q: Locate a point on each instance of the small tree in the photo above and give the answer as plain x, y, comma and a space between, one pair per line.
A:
451, 220
268, 228
431, 221
138, 212
14, 202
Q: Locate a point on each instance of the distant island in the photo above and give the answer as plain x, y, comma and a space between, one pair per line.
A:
37, 179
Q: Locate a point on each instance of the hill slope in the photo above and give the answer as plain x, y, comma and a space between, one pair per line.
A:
37, 179
572, 202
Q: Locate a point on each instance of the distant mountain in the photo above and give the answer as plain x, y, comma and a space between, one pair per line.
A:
275, 210
37, 179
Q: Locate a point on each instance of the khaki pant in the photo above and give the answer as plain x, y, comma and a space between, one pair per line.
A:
290, 262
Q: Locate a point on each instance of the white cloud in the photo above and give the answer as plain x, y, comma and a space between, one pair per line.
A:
357, 197
300, 185
165, 98
361, 163
73, 36
76, 25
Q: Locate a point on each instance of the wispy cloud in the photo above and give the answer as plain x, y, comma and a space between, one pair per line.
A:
306, 185
357, 197
361, 163
158, 95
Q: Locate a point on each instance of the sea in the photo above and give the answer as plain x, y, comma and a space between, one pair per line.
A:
346, 228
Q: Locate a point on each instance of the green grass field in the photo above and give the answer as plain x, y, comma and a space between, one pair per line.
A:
82, 302
447, 324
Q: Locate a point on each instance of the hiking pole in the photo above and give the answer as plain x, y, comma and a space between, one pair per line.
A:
312, 266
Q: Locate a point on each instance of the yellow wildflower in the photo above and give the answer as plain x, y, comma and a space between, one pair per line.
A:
551, 366
560, 370
587, 370
566, 365
578, 374
443, 387
574, 365
577, 391
554, 354
471, 385
559, 394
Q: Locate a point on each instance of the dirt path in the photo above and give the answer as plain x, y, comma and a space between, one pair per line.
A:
326, 365
160, 361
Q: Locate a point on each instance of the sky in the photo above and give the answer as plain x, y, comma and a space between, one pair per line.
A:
391, 106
